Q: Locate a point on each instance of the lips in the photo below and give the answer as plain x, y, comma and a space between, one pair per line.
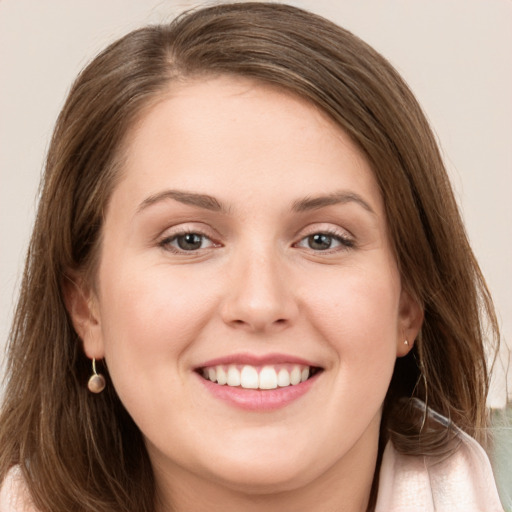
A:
258, 377
254, 382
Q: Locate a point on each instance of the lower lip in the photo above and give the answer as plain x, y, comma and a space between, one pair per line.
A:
257, 399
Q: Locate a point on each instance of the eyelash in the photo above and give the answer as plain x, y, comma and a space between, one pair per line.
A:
166, 242
345, 242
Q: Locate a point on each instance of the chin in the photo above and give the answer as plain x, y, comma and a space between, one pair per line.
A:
268, 476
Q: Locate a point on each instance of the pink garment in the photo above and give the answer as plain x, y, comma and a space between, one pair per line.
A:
14, 495
462, 482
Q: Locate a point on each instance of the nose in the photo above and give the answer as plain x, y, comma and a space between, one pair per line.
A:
260, 297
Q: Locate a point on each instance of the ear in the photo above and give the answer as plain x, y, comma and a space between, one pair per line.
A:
83, 308
410, 319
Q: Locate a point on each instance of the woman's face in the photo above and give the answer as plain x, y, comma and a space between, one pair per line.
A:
246, 242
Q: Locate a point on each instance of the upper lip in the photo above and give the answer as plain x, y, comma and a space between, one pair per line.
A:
257, 360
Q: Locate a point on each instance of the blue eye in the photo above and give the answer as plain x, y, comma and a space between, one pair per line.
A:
324, 242
186, 242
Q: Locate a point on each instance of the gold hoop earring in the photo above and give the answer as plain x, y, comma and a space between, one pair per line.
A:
96, 383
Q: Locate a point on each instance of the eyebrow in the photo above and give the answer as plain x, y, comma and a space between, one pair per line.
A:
200, 200
315, 203
208, 202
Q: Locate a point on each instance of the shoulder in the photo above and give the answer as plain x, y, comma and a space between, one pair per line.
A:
14, 494
462, 482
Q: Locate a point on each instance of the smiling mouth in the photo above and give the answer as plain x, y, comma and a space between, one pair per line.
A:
265, 377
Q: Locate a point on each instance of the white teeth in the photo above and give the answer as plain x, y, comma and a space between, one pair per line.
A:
222, 377
283, 378
233, 376
249, 378
295, 376
268, 378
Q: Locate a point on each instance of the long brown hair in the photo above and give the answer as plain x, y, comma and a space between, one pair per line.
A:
82, 452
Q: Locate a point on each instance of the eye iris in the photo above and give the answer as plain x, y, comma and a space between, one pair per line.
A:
320, 241
190, 241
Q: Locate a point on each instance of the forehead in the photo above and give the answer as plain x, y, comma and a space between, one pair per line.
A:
227, 133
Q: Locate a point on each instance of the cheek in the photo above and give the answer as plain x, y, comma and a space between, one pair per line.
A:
356, 308
152, 299
150, 315
356, 312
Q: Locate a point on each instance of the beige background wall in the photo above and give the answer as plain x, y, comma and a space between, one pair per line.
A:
455, 54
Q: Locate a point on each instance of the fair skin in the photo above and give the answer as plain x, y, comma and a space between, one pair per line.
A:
269, 276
